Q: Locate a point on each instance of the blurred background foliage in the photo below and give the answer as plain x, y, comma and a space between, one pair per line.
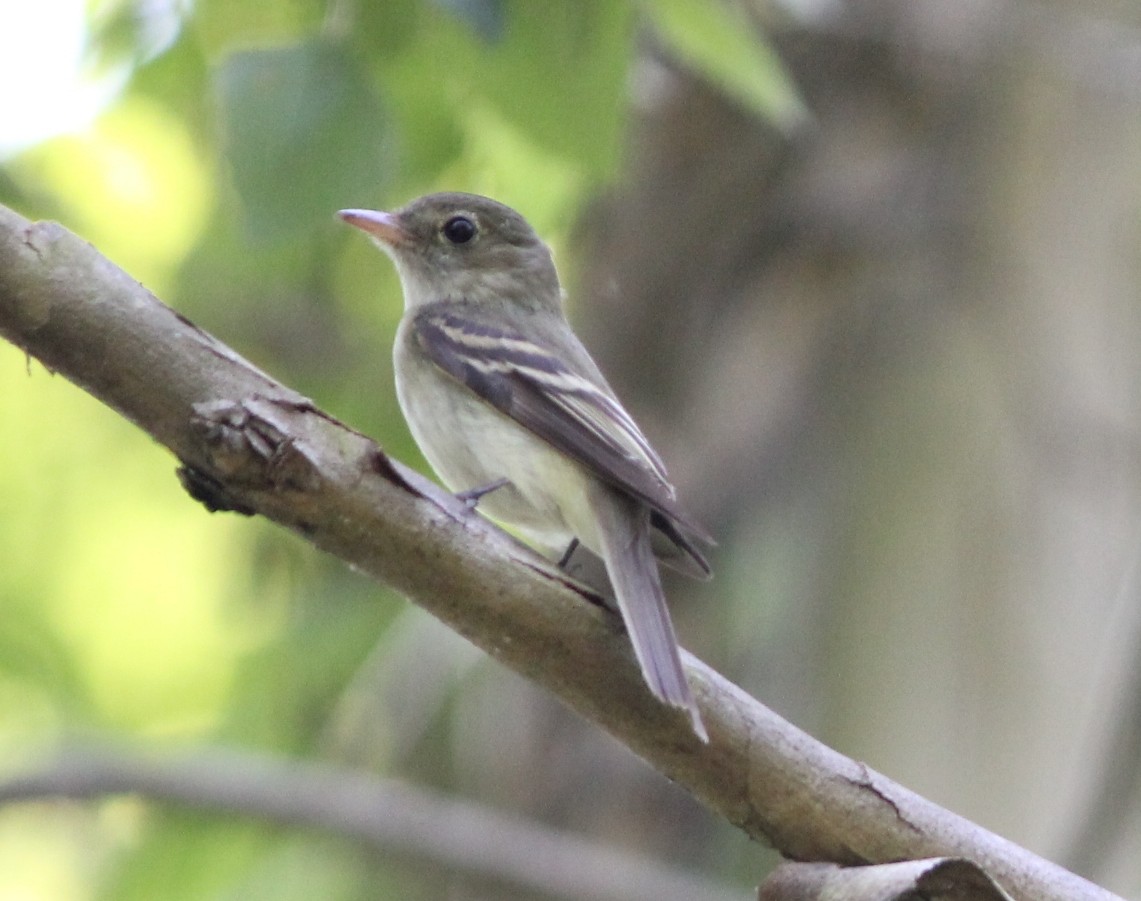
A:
874, 296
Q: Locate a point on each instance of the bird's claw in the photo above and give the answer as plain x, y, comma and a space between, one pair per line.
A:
472, 496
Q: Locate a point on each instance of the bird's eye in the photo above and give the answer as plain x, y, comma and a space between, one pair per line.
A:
459, 229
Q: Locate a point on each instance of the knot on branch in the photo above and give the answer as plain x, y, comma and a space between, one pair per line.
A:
247, 445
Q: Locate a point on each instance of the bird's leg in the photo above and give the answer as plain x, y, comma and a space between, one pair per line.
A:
568, 553
471, 497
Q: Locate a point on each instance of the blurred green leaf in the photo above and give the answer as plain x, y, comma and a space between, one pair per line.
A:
304, 135
718, 41
185, 854
285, 692
485, 17
34, 654
179, 79
224, 25
129, 32
557, 75
560, 75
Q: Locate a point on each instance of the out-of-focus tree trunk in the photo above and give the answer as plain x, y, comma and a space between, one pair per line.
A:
893, 363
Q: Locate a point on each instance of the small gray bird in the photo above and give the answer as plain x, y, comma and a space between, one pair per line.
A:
508, 407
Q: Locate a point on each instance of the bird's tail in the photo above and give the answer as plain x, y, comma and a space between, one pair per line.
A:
624, 533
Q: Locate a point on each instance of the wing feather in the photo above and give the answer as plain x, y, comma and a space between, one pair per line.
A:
567, 410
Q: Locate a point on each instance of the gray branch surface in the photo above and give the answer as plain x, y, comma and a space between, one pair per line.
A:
941, 879
262, 448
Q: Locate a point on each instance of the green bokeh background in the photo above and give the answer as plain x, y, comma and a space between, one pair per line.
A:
128, 613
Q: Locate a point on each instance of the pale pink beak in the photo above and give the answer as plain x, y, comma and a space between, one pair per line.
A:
385, 227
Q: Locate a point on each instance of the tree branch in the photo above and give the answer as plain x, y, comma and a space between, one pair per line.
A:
249, 443
388, 815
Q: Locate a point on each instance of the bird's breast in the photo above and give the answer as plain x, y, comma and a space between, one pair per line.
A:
470, 445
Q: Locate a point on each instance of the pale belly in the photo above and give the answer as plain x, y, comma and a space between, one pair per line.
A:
471, 445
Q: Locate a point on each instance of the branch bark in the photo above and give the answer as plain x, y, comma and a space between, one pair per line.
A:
254, 445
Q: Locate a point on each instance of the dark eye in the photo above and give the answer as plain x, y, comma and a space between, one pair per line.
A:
459, 229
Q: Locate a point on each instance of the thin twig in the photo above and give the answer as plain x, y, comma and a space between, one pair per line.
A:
385, 814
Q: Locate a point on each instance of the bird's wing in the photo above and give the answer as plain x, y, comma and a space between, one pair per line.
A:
543, 394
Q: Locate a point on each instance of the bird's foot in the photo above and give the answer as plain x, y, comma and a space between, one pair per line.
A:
472, 496
568, 553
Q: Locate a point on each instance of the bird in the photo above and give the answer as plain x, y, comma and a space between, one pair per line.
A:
513, 414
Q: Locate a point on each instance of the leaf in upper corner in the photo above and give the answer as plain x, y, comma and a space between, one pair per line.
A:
719, 42
304, 134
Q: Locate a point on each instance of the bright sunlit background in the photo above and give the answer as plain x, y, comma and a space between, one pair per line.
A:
51, 90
